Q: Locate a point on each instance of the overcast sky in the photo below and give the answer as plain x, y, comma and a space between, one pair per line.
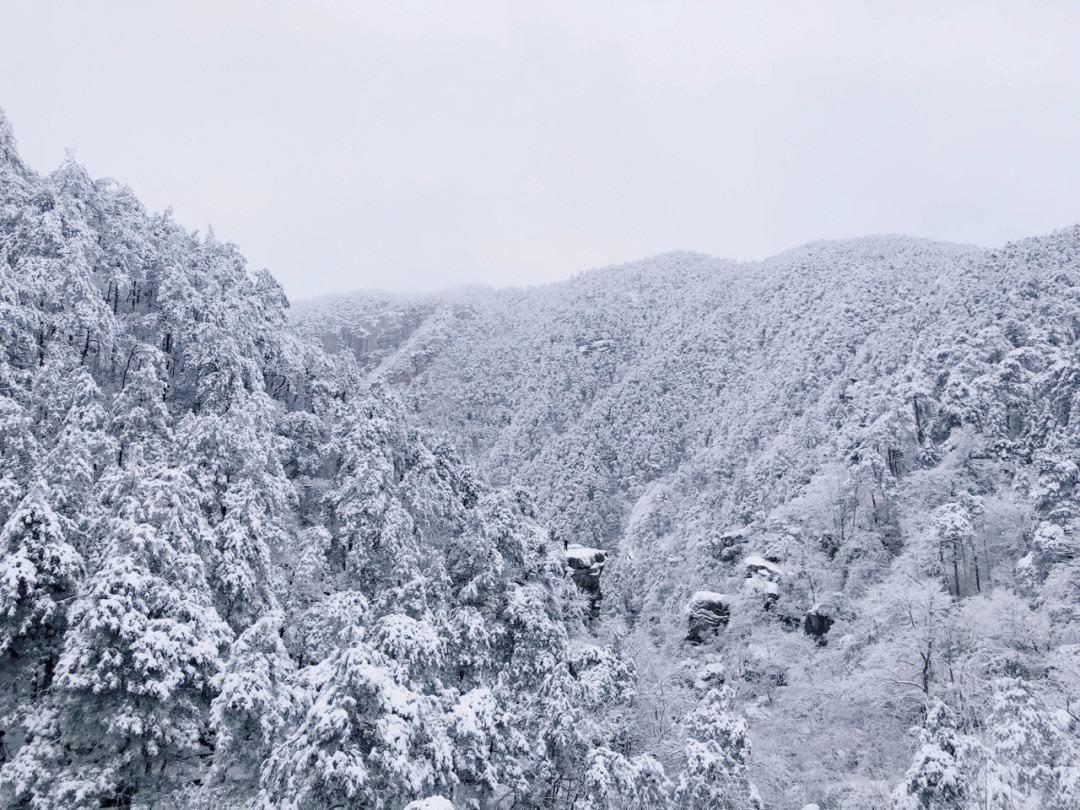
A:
416, 145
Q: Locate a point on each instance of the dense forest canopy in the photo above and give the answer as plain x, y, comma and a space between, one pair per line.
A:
680, 534
233, 573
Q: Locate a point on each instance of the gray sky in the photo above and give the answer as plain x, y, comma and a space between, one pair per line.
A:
414, 145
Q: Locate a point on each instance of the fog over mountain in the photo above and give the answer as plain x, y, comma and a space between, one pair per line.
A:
417, 144
684, 533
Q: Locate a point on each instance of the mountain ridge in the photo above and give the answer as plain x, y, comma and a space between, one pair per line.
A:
686, 413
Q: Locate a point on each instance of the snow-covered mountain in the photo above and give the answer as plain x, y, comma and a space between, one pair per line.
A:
233, 574
682, 534
862, 450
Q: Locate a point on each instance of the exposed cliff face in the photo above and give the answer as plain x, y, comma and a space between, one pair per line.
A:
586, 566
370, 328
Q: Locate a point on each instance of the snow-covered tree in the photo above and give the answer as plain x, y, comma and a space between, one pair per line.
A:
942, 773
39, 573
613, 782
83, 448
258, 698
132, 689
140, 415
19, 450
716, 774
369, 739
1030, 762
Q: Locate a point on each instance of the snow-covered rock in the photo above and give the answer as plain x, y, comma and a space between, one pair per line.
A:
756, 565
763, 587
820, 618
762, 578
726, 546
432, 803
586, 566
816, 623
708, 611
710, 675
582, 557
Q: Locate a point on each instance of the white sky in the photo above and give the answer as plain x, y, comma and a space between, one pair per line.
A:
413, 145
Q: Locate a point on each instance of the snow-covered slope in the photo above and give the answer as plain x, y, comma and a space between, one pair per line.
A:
232, 573
883, 422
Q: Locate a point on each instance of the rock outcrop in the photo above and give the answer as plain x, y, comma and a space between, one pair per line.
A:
820, 618
709, 612
816, 624
586, 565
763, 578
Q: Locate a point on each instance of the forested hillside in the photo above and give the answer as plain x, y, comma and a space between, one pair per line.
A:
835, 490
233, 574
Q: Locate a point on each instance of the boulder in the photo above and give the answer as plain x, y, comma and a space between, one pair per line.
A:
758, 566
816, 624
709, 612
820, 618
726, 546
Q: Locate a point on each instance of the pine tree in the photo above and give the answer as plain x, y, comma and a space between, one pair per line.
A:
19, 450
369, 740
613, 782
233, 461
128, 707
1031, 763
39, 574
140, 415
326, 626
82, 451
941, 776
243, 540
374, 530
258, 698
488, 749
717, 754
